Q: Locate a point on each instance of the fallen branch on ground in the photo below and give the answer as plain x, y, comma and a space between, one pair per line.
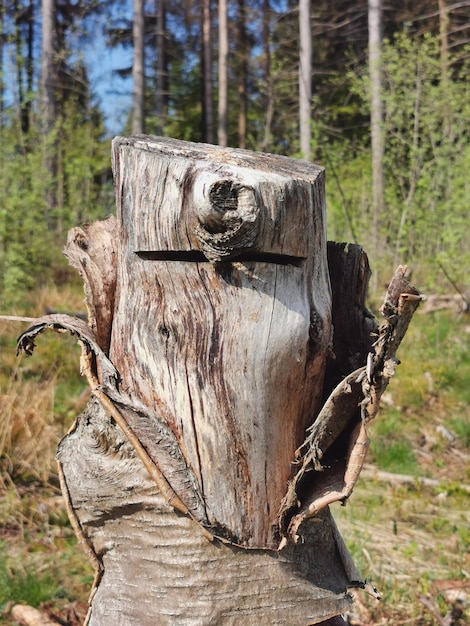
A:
406, 479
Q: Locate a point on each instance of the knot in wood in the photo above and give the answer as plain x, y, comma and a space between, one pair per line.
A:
228, 218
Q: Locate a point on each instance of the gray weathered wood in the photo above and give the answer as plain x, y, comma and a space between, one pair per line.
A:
231, 352
158, 568
225, 414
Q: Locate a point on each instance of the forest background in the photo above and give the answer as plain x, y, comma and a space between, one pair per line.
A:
406, 202
377, 93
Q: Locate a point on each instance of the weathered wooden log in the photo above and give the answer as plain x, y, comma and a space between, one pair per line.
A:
221, 427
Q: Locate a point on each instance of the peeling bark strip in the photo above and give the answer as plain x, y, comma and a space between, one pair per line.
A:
91, 249
224, 406
156, 445
352, 404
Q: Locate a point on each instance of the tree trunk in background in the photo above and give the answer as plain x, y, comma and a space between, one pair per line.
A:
49, 67
243, 53
376, 122
443, 32
162, 74
305, 78
207, 91
29, 69
267, 79
24, 16
444, 39
223, 74
49, 85
138, 76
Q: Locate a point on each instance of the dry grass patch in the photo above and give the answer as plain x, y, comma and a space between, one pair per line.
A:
28, 431
413, 543
40, 563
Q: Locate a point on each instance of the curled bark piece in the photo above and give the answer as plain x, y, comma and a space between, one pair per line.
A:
59, 322
91, 250
333, 454
158, 449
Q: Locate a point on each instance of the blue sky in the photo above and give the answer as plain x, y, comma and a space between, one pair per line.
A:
113, 92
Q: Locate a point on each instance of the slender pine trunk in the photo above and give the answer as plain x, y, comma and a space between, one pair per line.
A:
376, 124
138, 94
305, 78
223, 78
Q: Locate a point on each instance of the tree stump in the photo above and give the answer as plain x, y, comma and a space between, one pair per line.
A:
221, 426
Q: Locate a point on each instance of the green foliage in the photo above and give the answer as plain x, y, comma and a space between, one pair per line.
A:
427, 153
185, 119
426, 162
394, 456
425, 141
24, 238
389, 450
39, 204
439, 347
88, 187
25, 585
460, 426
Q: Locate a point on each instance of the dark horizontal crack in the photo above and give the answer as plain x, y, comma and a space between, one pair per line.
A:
196, 256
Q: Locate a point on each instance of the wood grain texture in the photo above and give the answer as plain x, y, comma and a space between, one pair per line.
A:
158, 568
170, 183
232, 353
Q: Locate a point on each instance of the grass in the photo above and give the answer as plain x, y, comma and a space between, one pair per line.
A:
410, 540
390, 451
25, 585
40, 563
414, 541
40, 397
